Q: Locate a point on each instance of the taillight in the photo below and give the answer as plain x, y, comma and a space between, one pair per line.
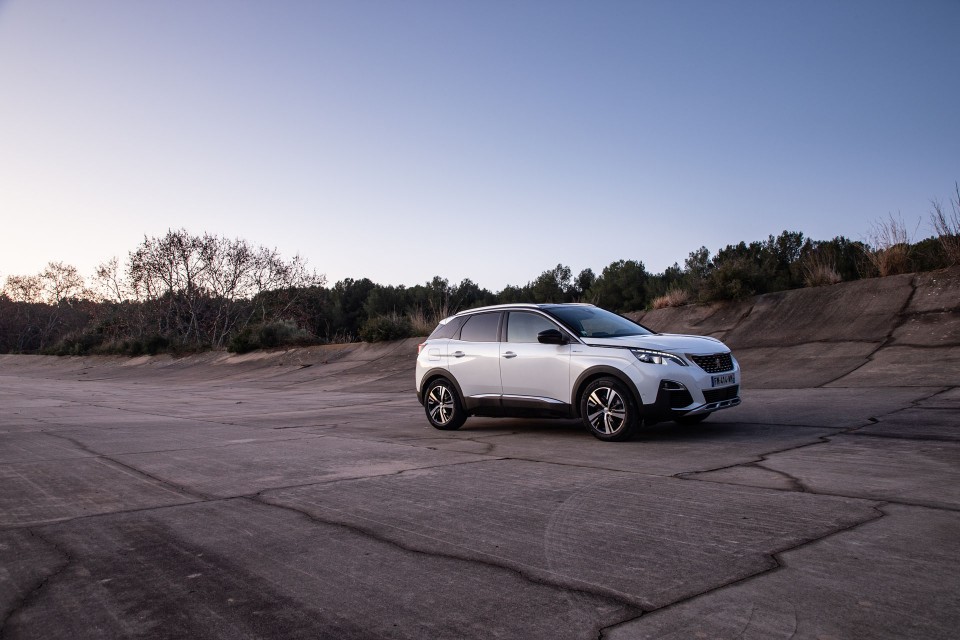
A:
420, 347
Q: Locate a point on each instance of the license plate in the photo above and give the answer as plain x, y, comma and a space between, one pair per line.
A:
724, 380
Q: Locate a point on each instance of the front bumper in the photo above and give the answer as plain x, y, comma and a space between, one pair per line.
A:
674, 399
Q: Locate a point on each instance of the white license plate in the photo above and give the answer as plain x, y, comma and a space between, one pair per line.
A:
724, 380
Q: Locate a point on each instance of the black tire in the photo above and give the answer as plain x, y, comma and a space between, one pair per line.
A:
608, 410
442, 405
689, 421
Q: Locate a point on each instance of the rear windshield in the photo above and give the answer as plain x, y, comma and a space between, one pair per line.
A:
594, 322
447, 328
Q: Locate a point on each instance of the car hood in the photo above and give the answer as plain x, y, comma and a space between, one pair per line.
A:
663, 342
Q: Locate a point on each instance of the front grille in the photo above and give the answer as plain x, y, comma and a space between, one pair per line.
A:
717, 395
715, 363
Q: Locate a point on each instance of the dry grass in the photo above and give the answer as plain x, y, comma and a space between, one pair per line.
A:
673, 298
947, 226
423, 323
819, 270
889, 251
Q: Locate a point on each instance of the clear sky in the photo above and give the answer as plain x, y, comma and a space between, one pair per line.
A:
491, 140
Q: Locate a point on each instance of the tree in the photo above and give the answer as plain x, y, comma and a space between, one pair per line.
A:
622, 286
552, 285
202, 289
583, 283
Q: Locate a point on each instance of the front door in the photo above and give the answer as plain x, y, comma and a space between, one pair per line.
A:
528, 369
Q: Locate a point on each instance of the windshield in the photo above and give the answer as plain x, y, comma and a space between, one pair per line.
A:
594, 322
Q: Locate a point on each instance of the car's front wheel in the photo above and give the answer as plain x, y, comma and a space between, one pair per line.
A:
608, 410
442, 405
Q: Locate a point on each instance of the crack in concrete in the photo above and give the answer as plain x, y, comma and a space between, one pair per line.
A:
914, 404
170, 486
795, 483
778, 564
690, 475
29, 595
902, 318
486, 560
826, 439
214, 499
260, 494
888, 436
763, 457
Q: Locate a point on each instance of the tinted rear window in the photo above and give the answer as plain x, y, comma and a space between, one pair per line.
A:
481, 328
447, 330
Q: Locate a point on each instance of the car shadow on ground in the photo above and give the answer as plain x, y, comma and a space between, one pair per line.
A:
660, 432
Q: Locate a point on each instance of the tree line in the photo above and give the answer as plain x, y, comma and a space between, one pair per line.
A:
183, 293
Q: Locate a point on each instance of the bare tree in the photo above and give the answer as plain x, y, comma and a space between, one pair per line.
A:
45, 304
24, 288
204, 288
62, 282
108, 283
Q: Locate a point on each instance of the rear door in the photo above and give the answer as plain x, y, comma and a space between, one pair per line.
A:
475, 356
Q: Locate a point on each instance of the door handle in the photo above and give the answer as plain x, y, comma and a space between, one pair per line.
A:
509, 354
458, 354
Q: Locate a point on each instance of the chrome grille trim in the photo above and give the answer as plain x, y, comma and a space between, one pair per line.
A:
714, 363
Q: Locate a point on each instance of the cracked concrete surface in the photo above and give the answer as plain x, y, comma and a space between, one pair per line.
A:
302, 494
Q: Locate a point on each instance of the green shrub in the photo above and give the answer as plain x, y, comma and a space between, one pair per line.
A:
270, 336
76, 344
386, 327
243, 342
156, 344
736, 278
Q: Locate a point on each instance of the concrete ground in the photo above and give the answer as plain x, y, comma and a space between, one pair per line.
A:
305, 496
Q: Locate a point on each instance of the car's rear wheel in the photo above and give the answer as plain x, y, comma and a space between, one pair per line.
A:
442, 405
608, 410
692, 420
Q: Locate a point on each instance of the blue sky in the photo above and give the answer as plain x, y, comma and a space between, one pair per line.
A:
483, 140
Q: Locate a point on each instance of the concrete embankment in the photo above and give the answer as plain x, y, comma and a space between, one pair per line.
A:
896, 331
386, 366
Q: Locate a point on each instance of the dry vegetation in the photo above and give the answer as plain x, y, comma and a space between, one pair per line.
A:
947, 225
890, 242
672, 298
819, 269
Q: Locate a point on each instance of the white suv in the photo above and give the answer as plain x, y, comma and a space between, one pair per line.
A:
570, 360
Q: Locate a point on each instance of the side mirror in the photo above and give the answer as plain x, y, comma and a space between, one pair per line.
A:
552, 336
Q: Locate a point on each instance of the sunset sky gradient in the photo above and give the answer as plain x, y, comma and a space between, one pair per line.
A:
484, 140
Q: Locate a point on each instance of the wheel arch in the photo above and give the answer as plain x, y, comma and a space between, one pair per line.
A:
432, 375
602, 371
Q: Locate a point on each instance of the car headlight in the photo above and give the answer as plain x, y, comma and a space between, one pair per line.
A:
657, 357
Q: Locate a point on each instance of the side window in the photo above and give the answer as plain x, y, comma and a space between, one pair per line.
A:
524, 327
447, 330
482, 327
